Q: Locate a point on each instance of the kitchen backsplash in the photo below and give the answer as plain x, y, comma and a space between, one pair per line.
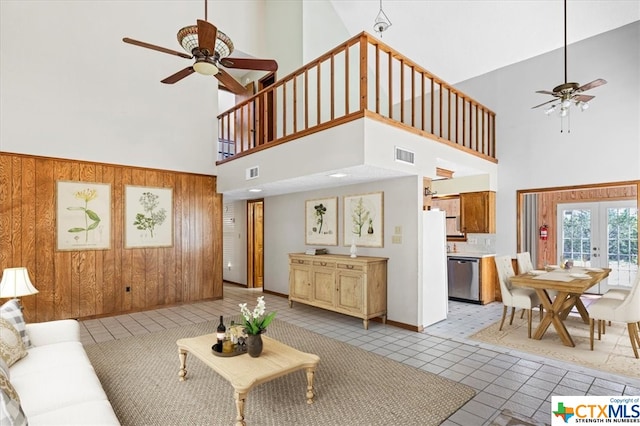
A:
476, 243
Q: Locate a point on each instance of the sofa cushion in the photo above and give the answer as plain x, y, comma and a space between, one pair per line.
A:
11, 345
11, 413
12, 312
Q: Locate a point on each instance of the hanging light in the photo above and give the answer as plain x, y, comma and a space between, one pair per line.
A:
382, 22
583, 105
551, 109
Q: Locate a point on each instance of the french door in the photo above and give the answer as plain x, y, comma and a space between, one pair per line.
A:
603, 235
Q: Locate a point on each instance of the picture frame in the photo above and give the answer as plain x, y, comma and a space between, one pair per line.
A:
148, 216
83, 215
321, 221
363, 220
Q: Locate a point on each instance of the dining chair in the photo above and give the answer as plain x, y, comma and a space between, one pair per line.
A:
514, 297
625, 310
524, 262
525, 265
619, 294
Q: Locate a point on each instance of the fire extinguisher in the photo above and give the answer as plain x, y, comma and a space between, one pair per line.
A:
544, 232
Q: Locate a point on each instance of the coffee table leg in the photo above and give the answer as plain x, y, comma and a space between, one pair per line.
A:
310, 374
183, 365
240, 398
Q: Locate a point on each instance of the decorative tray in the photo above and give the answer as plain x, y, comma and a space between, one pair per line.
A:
237, 350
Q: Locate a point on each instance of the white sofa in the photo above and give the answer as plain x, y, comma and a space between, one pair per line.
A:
56, 382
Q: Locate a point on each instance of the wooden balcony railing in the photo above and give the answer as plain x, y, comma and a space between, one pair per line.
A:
361, 77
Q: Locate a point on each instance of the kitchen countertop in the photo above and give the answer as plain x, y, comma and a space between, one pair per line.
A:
468, 254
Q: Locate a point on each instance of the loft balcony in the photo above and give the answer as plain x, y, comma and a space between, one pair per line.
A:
362, 79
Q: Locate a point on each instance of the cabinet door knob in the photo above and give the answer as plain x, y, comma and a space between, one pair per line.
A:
323, 263
349, 266
300, 261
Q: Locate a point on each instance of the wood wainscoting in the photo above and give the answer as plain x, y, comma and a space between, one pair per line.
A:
91, 283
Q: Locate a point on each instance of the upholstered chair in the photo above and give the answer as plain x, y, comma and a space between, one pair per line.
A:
514, 297
625, 310
524, 262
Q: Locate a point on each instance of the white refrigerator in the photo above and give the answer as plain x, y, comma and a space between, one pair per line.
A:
435, 304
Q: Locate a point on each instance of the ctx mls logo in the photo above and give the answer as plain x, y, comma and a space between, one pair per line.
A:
565, 413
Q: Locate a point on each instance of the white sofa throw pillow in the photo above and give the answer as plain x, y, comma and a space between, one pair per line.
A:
11, 413
12, 312
11, 345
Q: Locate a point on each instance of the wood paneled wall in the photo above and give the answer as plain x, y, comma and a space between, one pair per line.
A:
87, 283
548, 207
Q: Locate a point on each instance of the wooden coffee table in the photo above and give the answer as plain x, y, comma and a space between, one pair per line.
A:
245, 372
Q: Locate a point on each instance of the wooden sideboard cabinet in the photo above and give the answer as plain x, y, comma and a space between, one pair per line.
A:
340, 283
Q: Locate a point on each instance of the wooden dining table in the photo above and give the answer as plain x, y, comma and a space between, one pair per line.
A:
568, 288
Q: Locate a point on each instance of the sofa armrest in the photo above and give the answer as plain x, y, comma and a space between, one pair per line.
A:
49, 332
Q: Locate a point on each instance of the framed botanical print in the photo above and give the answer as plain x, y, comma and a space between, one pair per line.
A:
148, 216
321, 222
363, 220
83, 215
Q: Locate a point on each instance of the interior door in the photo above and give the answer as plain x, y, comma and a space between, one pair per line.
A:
601, 234
255, 243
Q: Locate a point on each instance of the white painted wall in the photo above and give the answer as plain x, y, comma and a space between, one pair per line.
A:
603, 145
71, 88
284, 233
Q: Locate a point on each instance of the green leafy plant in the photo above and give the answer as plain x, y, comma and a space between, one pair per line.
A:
86, 195
359, 217
256, 322
148, 220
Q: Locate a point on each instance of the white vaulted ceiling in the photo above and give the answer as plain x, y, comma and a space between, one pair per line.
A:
460, 39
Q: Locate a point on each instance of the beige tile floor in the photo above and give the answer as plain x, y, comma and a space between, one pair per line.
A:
502, 378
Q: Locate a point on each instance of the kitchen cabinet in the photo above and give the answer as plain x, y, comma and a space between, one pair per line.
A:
488, 279
340, 283
478, 212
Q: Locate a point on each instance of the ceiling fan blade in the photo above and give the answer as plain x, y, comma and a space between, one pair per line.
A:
546, 92
594, 83
583, 98
544, 103
179, 75
230, 83
154, 47
250, 64
207, 34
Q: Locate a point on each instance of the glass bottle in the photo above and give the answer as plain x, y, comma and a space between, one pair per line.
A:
220, 333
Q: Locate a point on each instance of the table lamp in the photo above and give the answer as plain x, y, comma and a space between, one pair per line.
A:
16, 283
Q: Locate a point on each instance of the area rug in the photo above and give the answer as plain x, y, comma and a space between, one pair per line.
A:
352, 386
611, 354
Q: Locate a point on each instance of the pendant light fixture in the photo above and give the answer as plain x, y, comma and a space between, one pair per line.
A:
382, 22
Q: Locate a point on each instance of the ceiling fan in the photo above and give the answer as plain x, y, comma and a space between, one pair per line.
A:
569, 93
211, 49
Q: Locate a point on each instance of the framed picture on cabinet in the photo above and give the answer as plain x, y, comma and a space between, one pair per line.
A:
364, 220
148, 216
321, 222
83, 216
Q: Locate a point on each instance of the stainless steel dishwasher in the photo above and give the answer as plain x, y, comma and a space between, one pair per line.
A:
464, 278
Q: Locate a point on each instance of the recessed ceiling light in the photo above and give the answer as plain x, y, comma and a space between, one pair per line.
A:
255, 190
338, 175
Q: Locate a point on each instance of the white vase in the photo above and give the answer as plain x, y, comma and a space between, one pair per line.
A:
354, 249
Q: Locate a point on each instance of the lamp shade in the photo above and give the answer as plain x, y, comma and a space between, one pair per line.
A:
16, 283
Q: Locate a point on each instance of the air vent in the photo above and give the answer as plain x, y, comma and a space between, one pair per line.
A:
253, 172
405, 156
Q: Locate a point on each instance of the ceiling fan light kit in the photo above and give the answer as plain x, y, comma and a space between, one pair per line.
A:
205, 66
568, 93
210, 49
